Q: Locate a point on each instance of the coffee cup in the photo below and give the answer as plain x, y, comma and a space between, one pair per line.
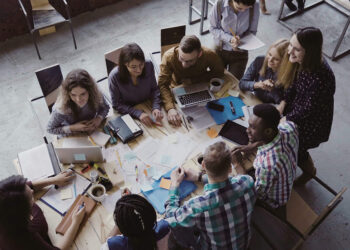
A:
97, 192
216, 84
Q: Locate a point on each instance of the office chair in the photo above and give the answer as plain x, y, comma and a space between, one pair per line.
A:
40, 19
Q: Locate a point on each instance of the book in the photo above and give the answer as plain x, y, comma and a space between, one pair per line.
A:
125, 128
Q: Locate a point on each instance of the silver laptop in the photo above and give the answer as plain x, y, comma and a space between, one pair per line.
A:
81, 154
192, 95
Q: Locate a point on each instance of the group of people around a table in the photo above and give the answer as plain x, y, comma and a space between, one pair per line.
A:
296, 86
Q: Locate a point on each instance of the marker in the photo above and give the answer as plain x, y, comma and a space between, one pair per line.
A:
232, 108
101, 170
137, 173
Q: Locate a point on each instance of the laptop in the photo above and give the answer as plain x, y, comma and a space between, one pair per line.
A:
81, 154
194, 94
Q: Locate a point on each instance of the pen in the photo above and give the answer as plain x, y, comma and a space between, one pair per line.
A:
75, 189
233, 33
232, 108
184, 121
137, 173
81, 206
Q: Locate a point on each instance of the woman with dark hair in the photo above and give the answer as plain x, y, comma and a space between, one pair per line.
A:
261, 75
80, 106
309, 99
133, 82
136, 226
22, 222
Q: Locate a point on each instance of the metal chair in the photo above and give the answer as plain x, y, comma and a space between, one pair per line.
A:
40, 19
342, 6
203, 14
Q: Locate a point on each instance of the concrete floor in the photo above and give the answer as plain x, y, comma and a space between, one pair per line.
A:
140, 21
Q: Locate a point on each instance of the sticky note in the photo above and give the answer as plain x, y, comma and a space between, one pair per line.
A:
146, 187
79, 157
212, 133
165, 183
149, 172
66, 193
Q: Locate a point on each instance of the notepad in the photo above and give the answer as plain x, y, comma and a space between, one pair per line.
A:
100, 138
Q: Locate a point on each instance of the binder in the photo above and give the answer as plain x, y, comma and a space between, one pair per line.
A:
67, 219
39, 162
125, 128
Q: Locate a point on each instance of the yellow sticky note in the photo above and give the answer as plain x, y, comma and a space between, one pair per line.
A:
165, 183
66, 193
212, 133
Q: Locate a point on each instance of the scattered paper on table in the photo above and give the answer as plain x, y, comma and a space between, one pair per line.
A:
146, 187
110, 200
250, 42
100, 138
66, 193
129, 156
172, 138
165, 183
212, 133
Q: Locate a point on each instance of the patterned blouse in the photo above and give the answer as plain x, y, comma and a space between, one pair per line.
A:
310, 105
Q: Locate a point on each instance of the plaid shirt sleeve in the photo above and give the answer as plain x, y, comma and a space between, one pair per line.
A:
179, 216
264, 179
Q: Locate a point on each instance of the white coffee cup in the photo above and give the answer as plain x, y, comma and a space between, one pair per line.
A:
97, 192
216, 84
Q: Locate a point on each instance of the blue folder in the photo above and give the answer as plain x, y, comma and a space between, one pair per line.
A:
158, 196
222, 117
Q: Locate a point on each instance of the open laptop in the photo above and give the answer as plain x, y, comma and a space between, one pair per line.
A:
192, 95
80, 154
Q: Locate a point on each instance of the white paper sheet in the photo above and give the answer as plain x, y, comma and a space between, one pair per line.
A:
110, 200
201, 117
250, 42
53, 196
100, 138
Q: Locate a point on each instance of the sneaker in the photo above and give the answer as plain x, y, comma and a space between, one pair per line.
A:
291, 5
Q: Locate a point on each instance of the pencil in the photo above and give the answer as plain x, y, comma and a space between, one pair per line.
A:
92, 141
118, 157
233, 33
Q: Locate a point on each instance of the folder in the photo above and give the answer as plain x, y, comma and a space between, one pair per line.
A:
67, 219
125, 128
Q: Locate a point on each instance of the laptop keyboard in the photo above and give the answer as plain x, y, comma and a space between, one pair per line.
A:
194, 98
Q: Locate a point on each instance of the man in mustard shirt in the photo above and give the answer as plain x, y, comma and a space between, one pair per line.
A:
187, 63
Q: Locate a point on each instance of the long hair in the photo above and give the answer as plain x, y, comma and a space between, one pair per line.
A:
311, 40
281, 48
128, 53
136, 219
15, 207
78, 78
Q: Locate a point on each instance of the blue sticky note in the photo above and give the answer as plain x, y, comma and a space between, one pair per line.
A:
79, 157
222, 117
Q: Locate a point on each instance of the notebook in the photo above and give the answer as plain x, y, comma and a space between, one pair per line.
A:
125, 128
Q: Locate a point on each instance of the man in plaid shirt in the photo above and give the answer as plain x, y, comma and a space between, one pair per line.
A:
221, 216
276, 159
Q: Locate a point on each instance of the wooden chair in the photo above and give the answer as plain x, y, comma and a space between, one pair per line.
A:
342, 6
40, 19
169, 38
203, 14
301, 221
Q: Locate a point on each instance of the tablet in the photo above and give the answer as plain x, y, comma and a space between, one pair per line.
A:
235, 133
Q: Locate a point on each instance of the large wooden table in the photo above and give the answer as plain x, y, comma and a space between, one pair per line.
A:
95, 231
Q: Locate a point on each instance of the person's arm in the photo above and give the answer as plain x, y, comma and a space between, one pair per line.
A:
264, 180
103, 108
174, 214
155, 93
61, 179
55, 125
164, 80
215, 27
68, 238
255, 20
117, 100
249, 79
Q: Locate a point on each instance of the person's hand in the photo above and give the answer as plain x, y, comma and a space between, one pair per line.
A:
63, 178
158, 116
247, 149
237, 157
191, 174
235, 41
268, 85
78, 215
177, 177
174, 117
283, 119
126, 191
146, 119
82, 126
280, 107
259, 85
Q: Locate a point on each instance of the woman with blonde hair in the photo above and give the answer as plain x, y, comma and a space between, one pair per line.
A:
261, 75
80, 106
309, 99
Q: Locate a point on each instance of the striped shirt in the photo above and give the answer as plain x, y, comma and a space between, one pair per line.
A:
275, 165
222, 214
